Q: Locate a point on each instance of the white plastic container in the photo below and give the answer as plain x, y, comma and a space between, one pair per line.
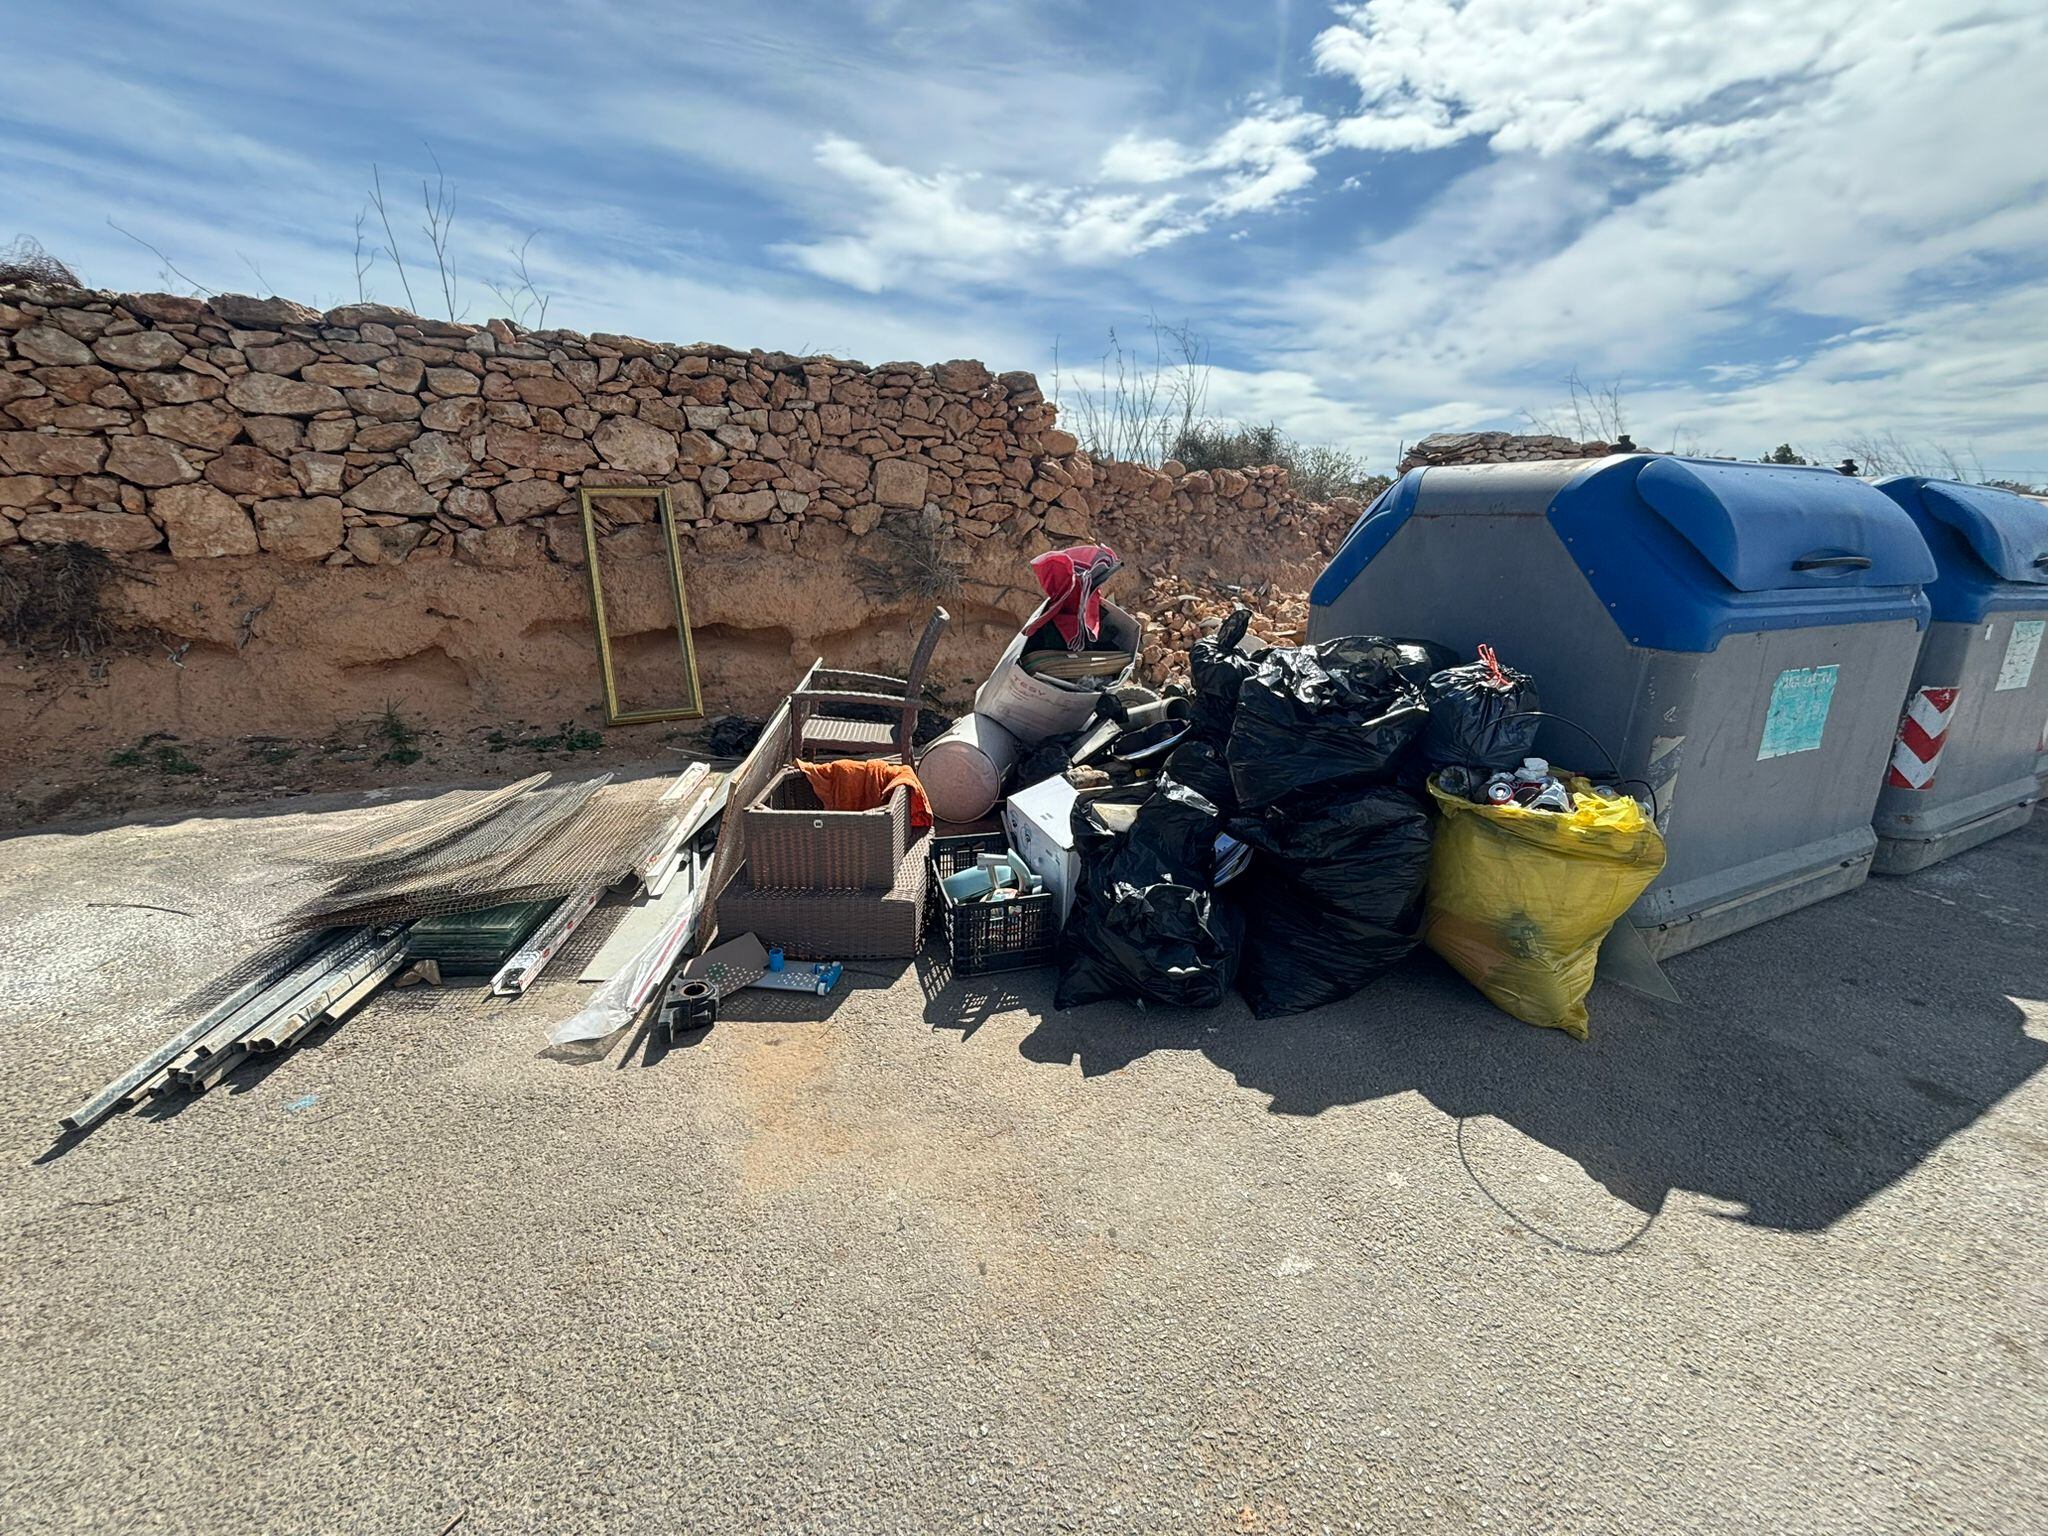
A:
1034, 709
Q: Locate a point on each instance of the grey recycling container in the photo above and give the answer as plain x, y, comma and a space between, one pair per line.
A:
1972, 747
1737, 636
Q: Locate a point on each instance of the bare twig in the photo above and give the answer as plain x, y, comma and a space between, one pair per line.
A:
1596, 413
390, 240
364, 261
169, 265
440, 206
248, 625
1140, 407
522, 298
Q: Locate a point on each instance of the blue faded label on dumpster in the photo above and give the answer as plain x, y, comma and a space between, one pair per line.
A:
1799, 711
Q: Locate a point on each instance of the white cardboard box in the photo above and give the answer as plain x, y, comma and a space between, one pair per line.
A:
1039, 824
1034, 709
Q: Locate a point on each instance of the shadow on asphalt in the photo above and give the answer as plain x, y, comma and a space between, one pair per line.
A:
1816, 1059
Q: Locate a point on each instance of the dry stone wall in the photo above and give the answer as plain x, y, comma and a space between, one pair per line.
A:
367, 436
1502, 448
312, 513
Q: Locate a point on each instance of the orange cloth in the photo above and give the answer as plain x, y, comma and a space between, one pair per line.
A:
862, 784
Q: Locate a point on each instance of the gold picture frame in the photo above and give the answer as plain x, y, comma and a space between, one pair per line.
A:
694, 710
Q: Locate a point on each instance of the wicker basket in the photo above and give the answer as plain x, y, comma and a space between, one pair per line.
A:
795, 844
834, 925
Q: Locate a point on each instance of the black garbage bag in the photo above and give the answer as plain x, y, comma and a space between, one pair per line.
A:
1200, 766
1333, 897
1420, 660
1219, 668
1479, 716
1339, 712
1146, 926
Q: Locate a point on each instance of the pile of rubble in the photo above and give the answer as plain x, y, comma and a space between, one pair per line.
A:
1177, 613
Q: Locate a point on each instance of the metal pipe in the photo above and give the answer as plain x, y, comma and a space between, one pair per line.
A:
103, 1103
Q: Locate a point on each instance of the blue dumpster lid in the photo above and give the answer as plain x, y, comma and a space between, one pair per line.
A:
1991, 545
1776, 527
1685, 552
2008, 533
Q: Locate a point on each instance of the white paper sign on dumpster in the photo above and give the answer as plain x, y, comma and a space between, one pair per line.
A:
1035, 708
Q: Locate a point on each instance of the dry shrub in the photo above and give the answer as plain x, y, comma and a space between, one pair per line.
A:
906, 559
52, 598
25, 261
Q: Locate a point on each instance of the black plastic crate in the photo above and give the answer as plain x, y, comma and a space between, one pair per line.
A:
991, 935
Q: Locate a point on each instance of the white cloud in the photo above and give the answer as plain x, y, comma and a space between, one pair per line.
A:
907, 226
1632, 76
1855, 166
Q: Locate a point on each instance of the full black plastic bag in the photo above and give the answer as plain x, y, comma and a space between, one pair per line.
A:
1218, 669
1479, 717
1199, 764
1333, 897
1146, 926
1315, 715
1420, 660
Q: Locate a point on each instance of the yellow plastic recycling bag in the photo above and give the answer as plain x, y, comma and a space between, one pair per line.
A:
1519, 900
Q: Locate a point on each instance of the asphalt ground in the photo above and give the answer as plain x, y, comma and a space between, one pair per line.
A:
928, 1256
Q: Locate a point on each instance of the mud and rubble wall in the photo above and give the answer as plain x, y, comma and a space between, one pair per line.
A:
310, 515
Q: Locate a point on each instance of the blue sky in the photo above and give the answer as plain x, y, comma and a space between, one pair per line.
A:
1767, 222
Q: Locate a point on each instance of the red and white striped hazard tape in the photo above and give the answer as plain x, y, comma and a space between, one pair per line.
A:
1923, 732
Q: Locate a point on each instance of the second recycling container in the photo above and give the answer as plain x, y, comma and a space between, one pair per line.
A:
1737, 636
1973, 740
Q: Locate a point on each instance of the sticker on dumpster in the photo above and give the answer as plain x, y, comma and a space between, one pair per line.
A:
2020, 653
1799, 711
1923, 734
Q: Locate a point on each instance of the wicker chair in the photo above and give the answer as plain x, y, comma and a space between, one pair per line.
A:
819, 736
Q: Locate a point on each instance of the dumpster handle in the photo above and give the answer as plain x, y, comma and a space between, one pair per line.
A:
2041, 562
1827, 562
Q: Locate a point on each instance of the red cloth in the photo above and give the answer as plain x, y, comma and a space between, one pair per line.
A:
862, 784
1071, 577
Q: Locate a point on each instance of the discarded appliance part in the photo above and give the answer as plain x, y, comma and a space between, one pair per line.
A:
692, 705
729, 966
689, 1004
